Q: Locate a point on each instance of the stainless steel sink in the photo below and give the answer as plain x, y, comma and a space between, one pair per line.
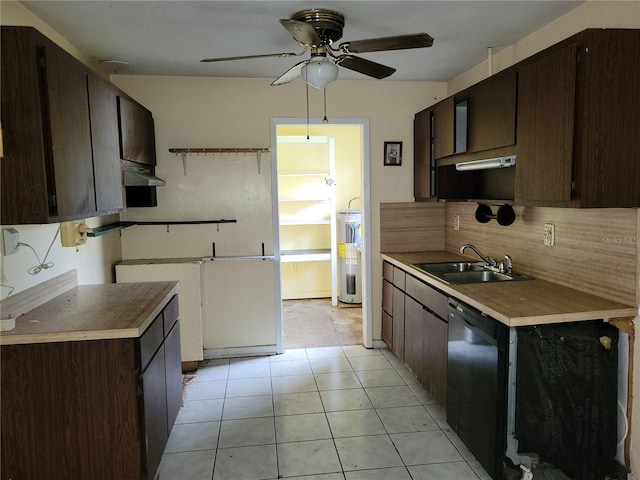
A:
449, 267
466, 272
475, 277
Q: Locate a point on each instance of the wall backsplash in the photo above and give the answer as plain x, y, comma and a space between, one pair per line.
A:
411, 226
595, 251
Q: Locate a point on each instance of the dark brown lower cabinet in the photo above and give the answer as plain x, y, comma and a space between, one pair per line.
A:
398, 344
387, 313
425, 350
414, 326
415, 329
94, 409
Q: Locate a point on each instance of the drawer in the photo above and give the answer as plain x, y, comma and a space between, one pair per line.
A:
150, 341
387, 271
399, 278
428, 296
387, 297
170, 314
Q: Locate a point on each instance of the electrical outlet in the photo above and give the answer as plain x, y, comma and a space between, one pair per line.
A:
10, 241
456, 222
74, 233
549, 234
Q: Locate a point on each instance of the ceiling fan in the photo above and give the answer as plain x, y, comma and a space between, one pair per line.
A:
316, 30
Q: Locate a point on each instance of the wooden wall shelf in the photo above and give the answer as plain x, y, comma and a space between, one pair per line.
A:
117, 226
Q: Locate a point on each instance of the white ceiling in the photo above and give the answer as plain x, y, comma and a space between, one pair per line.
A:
171, 37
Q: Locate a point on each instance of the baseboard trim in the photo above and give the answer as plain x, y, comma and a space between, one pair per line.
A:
211, 353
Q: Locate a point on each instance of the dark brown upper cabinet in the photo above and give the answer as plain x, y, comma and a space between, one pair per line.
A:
104, 135
480, 118
570, 114
137, 136
443, 128
490, 110
423, 161
546, 105
48, 165
579, 122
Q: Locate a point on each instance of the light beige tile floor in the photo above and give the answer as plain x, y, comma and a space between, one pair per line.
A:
328, 413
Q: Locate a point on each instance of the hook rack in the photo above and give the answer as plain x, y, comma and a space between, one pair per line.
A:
205, 150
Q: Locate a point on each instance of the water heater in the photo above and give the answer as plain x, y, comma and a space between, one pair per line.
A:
349, 256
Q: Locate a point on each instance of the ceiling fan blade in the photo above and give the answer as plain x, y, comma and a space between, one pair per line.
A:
248, 57
399, 42
366, 67
302, 32
291, 74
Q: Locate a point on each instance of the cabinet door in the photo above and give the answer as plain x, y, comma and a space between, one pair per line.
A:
104, 139
154, 388
491, 113
607, 156
137, 135
546, 102
387, 297
173, 371
443, 128
436, 357
69, 161
423, 170
387, 329
414, 340
24, 177
398, 323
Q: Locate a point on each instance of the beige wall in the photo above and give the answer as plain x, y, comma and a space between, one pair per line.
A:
232, 112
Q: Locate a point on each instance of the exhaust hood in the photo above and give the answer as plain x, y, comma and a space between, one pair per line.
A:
140, 176
141, 179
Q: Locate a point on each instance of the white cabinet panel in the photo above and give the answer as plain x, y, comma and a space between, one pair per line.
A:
239, 305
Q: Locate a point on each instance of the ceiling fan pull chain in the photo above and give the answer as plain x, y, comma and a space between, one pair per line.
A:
324, 93
306, 86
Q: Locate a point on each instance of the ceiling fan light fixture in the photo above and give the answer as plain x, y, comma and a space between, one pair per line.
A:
319, 72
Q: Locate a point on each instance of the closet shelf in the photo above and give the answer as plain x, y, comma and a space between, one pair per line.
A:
294, 222
310, 255
302, 174
300, 199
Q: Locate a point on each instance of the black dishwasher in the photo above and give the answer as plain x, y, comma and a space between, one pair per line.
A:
476, 383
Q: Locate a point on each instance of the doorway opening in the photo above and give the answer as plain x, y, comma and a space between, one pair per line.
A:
321, 204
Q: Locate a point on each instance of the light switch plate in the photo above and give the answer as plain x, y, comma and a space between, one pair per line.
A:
549, 234
456, 222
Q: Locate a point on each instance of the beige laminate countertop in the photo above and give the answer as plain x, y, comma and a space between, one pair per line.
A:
516, 303
93, 312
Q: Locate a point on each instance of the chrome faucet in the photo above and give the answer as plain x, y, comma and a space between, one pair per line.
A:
509, 264
487, 261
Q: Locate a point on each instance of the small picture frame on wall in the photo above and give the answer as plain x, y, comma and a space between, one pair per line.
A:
392, 154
